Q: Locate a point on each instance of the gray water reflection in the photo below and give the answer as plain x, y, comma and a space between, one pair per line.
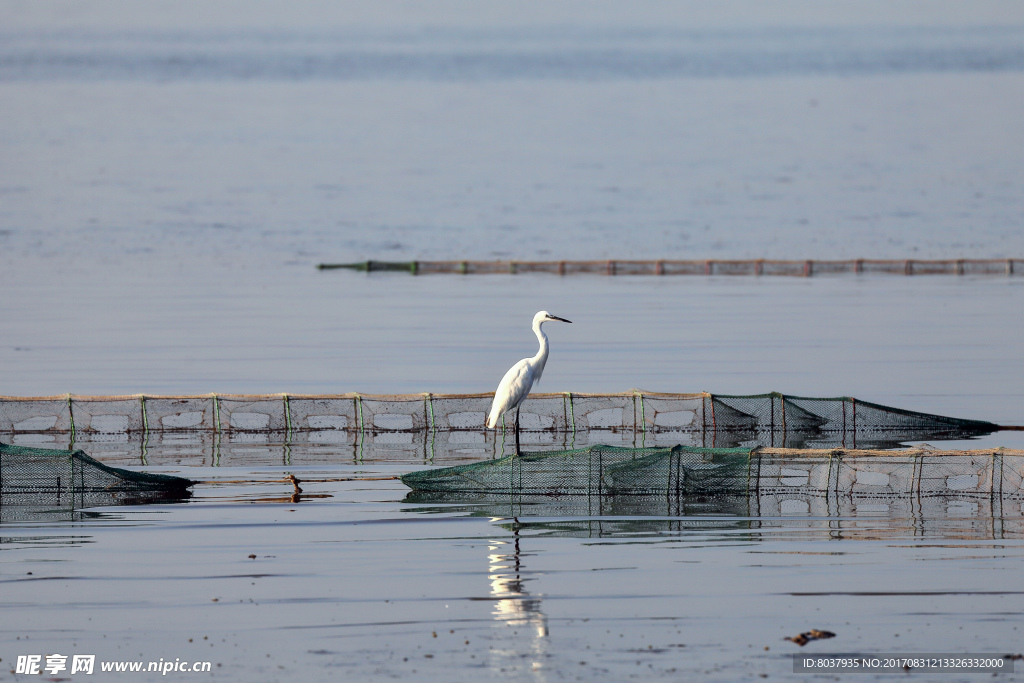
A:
514, 606
754, 517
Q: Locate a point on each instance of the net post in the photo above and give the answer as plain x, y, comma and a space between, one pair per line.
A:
144, 446
858, 266
463, 267
145, 418
216, 414
571, 411
634, 419
287, 419
828, 474
357, 399
853, 404
844, 423
414, 267
839, 467
71, 419
915, 481
703, 419
659, 267
1009, 266
782, 401
992, 492
428, 399
714, 423
643, 421
997, 455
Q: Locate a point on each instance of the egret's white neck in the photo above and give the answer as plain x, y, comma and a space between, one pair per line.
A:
541, 358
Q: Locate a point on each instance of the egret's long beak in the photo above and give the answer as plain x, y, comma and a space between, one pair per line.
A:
555, 317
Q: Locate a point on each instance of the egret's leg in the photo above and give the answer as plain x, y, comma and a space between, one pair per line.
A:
517, 430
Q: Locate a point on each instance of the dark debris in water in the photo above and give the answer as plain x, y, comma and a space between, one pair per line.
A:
807, 636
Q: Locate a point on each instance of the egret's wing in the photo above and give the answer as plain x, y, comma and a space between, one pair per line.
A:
512, 389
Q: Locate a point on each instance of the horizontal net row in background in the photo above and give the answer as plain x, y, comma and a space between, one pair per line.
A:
212, 449
764, 419
686, 471
805, 268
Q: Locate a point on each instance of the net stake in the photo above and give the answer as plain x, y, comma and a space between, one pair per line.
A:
145, 419
71, 418
287, 419
572, 413
216, 414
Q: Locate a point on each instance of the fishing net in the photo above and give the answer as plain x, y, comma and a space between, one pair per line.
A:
756, 267
703, 419
688, 471
71, 479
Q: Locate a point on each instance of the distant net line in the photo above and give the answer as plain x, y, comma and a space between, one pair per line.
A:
702, 419
755, 267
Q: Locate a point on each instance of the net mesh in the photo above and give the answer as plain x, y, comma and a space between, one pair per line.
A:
60, 478
703, 419
687, 471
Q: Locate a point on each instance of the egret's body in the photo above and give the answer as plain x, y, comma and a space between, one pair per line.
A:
515, 386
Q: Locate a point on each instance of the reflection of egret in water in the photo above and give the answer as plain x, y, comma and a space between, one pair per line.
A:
514, 607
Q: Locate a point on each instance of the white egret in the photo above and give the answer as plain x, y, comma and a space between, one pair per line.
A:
515, 386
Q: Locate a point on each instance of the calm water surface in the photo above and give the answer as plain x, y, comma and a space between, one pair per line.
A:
354, 580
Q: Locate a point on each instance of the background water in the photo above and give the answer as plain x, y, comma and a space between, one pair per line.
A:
171, 172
